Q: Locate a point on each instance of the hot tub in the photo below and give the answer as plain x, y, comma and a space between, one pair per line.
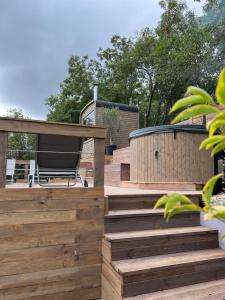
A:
169, 154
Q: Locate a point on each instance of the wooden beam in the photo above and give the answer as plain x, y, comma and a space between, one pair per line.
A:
54, 128
3, 151
99, 159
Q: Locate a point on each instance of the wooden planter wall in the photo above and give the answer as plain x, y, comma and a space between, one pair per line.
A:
165, 157
50, 238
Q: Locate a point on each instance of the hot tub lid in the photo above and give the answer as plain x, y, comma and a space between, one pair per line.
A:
167, 128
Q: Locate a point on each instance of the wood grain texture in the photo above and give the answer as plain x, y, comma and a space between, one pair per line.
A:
163, 158
3, 151
50, 243
99, 158
53, 128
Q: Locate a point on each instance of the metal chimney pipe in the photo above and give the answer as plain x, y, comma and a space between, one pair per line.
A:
95, 92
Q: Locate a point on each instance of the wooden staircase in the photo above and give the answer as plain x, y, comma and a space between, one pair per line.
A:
146, 258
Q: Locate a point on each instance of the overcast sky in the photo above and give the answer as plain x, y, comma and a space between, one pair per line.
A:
37, 37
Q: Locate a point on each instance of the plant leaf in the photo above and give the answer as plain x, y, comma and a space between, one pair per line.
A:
217, 214
218, 148
208, 190
194, 99
198, 91
182, 208
219, 116
215, 125
220, 89
197, 110
161, 202
211, 141
173, 199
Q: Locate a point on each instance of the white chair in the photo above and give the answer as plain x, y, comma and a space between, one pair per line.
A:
10, 168
31, 174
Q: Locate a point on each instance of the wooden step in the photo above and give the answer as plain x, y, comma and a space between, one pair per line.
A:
147, 219
134, 244
171, 186
146, 275
212, 290
139, 201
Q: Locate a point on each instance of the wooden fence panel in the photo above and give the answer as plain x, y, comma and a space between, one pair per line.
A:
50, 243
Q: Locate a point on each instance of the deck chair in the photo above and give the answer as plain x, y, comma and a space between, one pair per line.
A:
32, 171
10, 168
58, 157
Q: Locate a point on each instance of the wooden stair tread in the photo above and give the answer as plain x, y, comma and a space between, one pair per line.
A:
138, 212
133, 193
140, 265
214, 290
118, 236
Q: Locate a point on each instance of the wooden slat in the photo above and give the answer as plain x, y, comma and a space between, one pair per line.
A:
50, 194
127, 245
50, 243
179, 158
99, 153
16, 237
3, 151
213, 290
54, 128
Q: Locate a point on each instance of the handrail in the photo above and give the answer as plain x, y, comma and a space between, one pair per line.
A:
48, 127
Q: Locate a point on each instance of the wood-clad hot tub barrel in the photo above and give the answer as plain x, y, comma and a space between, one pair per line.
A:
169, 154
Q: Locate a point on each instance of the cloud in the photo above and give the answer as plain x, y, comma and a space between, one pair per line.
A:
38, 36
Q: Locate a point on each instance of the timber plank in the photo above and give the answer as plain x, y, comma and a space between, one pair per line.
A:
144, 219
214, 290
126, 202
38, 278
48, 258
145, 275
140, 265
37, 217
23, 194
51, 289
53, 128
127, 245
50, 205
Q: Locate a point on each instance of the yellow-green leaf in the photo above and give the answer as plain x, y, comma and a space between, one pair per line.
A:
194, 99
173, 199
193, 90
218, 148
161, 202
220, 89
183, 208
217, 214
195, 111
208, 190
215, 125
211, 141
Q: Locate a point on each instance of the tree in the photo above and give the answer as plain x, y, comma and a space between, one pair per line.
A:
75, 91
200, 103
20, 145
150, 70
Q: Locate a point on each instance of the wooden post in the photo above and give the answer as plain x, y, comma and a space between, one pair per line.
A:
3, 151
99, 162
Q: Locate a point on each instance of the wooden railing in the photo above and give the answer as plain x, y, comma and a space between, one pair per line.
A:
54, 128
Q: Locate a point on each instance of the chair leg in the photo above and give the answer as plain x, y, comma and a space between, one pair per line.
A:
81, 179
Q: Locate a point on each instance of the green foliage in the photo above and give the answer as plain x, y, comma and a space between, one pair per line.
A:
150, 70
176, 202
20, 141
111, 120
